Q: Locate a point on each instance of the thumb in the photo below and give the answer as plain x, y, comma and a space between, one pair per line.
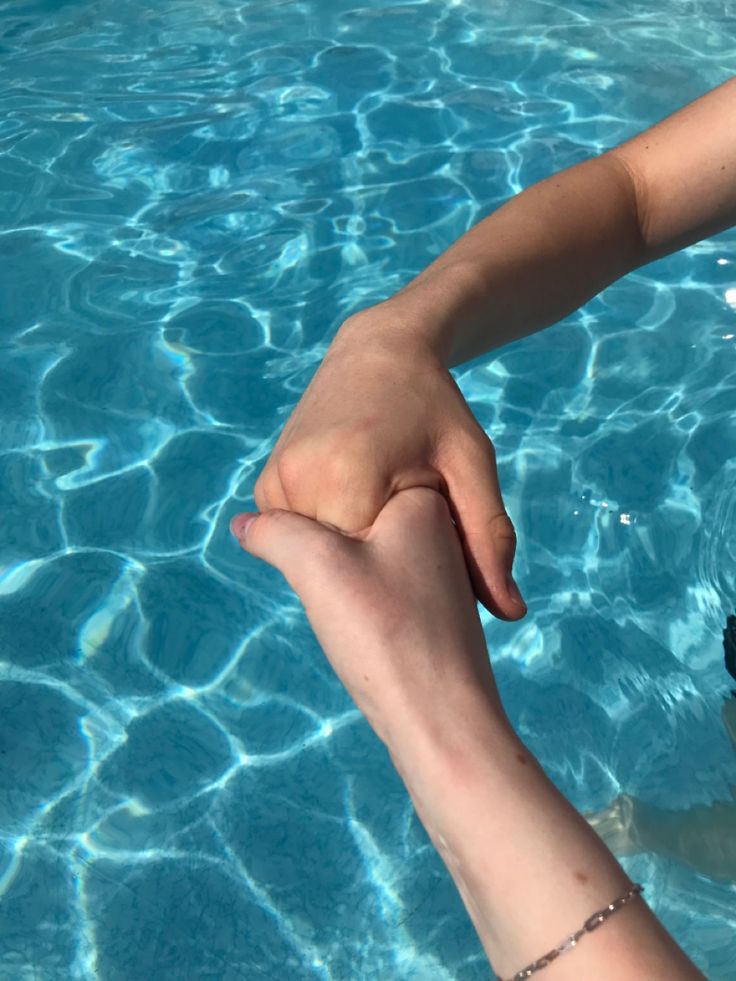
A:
486, 531
289, 542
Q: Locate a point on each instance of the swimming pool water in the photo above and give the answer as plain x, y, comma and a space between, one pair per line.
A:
193, 196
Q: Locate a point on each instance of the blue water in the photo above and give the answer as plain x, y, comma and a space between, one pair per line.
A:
193, 196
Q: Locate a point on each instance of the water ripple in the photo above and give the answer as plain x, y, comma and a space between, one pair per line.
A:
193, 198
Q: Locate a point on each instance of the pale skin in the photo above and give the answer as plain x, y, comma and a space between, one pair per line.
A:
396, 616
383, 412
382, 449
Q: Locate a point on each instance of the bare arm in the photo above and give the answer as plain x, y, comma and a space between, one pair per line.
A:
395, 616
683, 171
383, 412
551, 248
529, 869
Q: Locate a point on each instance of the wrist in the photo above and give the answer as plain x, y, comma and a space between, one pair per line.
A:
386, 329
453, 737
425, 316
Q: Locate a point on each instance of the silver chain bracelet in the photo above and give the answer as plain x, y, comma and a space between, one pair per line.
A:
592, 923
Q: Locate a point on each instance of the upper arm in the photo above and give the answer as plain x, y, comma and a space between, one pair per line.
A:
684, 172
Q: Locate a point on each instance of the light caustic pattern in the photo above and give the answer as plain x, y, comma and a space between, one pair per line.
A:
193, 197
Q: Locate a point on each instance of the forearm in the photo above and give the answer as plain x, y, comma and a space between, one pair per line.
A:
529, 868
559, 242
541, 255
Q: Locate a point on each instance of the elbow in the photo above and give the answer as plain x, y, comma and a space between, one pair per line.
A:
633, 188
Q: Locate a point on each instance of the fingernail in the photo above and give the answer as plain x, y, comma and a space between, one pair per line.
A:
240, 524
514, 591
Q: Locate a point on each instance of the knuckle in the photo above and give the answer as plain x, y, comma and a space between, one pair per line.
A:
268, 491
503, 527
340, 469
351, 516
290, 468
261, 491
347, 463
338, 480
485, 444
472, 444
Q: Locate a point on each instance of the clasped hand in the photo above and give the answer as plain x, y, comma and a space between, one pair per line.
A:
394, 611
382, 415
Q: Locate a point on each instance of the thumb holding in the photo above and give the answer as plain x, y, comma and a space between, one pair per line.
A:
288, 541
486, 531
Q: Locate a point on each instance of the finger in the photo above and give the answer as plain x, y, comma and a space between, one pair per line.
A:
350, 500
304, 551
486, 531
355, 497
268, 492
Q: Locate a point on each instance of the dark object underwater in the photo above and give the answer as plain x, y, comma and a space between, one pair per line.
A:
729, 646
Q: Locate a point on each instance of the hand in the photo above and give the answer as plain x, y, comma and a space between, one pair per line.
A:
394, 612
395, 615
381, 415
